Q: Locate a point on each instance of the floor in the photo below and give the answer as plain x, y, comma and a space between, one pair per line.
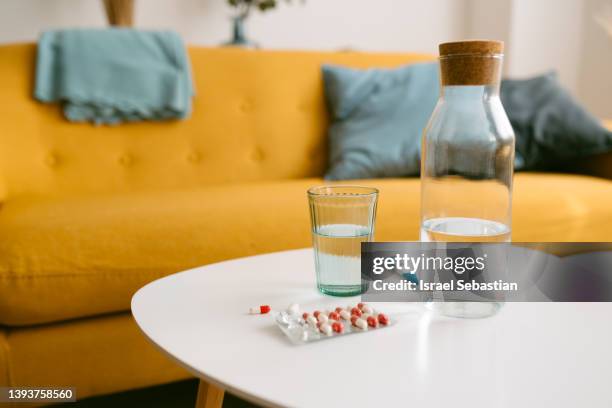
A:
176, 395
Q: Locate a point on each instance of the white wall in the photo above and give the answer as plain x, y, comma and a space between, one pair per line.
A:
488, 19
545, 35
394, 25
595, 76
23, 20
540, 35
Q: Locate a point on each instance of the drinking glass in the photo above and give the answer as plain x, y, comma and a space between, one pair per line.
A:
342, 217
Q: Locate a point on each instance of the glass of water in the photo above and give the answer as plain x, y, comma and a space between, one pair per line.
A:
342, 218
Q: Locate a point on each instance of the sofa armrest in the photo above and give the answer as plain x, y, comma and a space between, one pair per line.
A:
599, 165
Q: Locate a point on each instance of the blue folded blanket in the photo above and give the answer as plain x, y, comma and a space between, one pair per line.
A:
114, 75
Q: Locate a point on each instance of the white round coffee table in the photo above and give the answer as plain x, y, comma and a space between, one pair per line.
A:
529, 355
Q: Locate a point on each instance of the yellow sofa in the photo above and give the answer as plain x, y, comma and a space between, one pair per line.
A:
90, 214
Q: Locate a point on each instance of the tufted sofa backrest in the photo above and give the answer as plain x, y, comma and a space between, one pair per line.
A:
257, 115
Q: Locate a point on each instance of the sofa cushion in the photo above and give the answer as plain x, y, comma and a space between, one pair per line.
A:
70, 257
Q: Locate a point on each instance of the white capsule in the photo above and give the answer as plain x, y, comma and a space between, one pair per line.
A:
311, 320
361, 324
326, 329
293, 309
365, 316
322, 318
367, 309
345, 315
254, 310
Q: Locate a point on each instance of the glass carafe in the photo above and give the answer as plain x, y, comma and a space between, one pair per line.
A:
467, 157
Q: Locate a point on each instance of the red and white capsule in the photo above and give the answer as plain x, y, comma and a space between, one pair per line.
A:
338, 327
382, 319
326, 329
360, 323
293, 309
263, 309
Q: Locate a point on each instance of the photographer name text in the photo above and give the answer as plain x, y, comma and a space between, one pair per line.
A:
406, 285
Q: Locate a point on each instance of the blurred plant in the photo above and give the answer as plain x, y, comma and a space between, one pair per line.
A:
244, 7
243, 10
604, 19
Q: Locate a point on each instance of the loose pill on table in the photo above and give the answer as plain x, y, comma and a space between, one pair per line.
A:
337, 327
356, 311
361, 324
293, 309
367, 309
263, 309
345, 315
372, 322
334, 316
322, 318
326, 329
383, 319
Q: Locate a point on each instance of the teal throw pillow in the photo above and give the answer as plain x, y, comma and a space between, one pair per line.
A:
377, 118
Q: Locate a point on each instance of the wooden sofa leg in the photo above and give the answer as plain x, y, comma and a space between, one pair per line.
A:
209, 396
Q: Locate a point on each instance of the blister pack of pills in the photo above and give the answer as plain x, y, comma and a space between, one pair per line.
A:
306, 327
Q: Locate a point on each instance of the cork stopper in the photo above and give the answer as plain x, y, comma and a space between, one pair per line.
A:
474, 62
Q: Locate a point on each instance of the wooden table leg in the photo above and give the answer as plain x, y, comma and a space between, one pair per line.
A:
209, 396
